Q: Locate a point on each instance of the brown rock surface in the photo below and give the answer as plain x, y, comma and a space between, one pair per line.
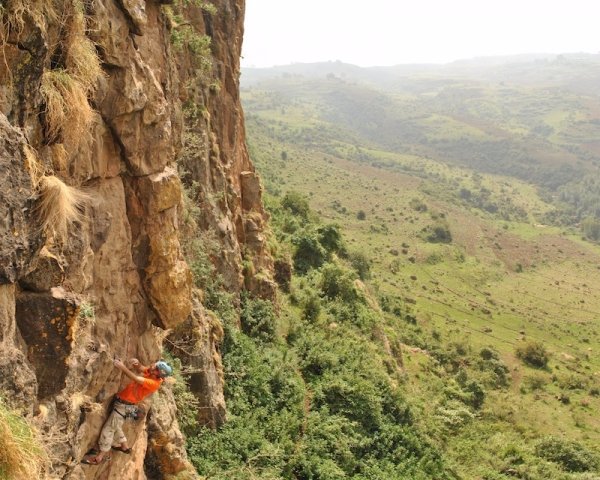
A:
68, 309
16, 224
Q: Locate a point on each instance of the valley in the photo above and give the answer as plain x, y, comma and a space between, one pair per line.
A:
465, 257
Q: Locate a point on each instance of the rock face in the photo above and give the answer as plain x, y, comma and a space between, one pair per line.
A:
113, 100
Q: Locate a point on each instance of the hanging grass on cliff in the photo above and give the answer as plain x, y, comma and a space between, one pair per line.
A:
22, 457
58, 207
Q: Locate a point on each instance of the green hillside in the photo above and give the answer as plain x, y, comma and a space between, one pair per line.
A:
536, 121
456, 206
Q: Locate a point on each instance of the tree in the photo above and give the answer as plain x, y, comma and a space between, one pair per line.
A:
534, 354
591, 228
309, 252
296, 203
361, 263
331, 238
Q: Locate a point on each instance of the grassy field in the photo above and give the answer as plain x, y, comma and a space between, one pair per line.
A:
504, 280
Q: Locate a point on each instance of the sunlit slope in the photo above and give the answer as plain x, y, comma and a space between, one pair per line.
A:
546, 133
503, 280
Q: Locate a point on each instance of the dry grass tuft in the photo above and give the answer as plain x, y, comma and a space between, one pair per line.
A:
68, 113
65, 90
59, 206
83, 62
59, 156
33, 166
22, 456
17, 13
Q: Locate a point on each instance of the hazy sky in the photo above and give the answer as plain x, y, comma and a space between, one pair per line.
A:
389, 32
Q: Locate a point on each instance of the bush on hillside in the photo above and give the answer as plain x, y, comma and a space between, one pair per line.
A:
361, 263
258, 318
418, 205
533, 354
489, 361
330, 237
311, 307
309, 252
338, 282
439, 233
591, 228
296, 203
570, 455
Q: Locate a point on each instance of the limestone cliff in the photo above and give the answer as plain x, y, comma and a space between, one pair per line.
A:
112, 112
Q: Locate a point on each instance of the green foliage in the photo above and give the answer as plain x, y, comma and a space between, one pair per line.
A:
184, 37
309, 251
534, 354
330, 237
297, 204
570, 455
535, 382
591, 228
258, 318
438, 233
418, 205
203, 4
198, 253
361, 263
338, 282
187, 403
320, 406
265, 396
495, 369
311, 307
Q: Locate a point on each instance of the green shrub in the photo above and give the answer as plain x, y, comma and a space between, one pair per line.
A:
535, 382
361, 262
309, 252
591, 228
570, 455
311, 307
258, 318
187, 403
534, 354
297, 204
338, 282
573, 382
439, 233
198, 253
418, 205
330, 237
497, 372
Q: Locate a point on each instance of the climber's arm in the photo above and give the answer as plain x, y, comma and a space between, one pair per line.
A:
121, 366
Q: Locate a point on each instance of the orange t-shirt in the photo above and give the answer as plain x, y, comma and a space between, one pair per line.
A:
135, 392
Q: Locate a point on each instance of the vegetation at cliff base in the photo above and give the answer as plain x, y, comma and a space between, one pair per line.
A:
309, 392
483, 283
441, 317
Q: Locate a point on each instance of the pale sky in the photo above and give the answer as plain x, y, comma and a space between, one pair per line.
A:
391, 32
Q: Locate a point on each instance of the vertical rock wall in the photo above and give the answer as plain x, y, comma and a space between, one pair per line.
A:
68, 306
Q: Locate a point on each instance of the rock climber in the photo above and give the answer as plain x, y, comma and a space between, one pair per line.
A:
145, 382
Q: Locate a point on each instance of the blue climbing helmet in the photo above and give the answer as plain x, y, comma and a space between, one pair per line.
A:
164, 368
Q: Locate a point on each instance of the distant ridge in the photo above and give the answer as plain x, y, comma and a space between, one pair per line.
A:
383, 76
